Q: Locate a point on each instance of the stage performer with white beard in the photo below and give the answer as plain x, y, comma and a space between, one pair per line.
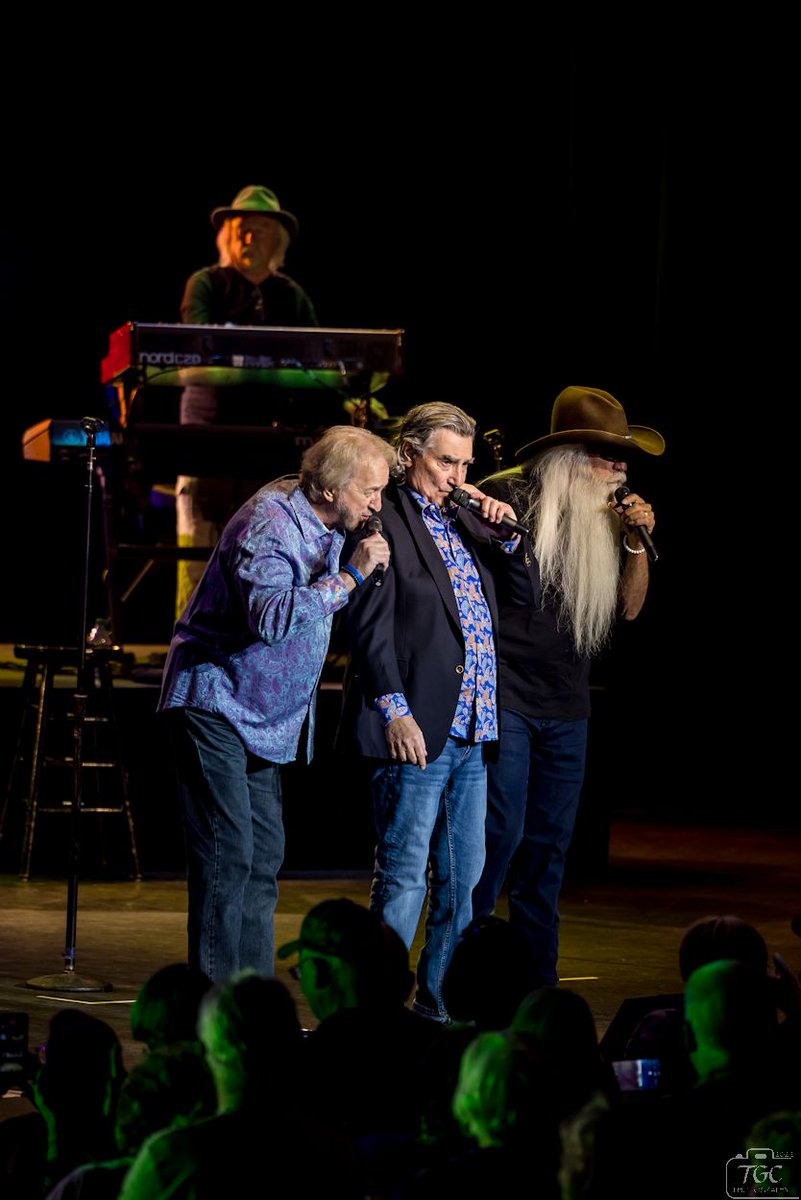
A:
589, 568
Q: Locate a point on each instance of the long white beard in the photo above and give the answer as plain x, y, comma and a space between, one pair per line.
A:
577, 544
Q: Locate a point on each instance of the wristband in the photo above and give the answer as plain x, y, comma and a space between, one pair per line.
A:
354, 573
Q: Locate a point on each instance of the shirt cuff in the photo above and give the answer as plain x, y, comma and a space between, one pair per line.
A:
392, 705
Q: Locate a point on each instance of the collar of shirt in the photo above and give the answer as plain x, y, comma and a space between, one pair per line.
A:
310, 524
445, 513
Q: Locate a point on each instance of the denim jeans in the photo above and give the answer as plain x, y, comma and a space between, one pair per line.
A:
430, 827
533, 792
234, 831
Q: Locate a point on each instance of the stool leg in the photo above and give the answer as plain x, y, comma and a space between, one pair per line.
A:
107, 689
27, 690
131, 831
32, 799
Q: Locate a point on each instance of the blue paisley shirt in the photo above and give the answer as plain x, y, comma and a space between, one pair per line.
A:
476, 716
253, 639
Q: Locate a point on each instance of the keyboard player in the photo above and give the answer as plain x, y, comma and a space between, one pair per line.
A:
245, 287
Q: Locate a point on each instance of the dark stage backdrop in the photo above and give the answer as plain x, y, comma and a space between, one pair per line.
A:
565, 225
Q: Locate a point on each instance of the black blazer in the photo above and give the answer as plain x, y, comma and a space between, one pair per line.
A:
405, 636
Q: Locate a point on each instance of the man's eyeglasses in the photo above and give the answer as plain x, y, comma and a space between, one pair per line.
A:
296, 971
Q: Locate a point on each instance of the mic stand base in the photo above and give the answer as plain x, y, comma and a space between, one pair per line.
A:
67, 981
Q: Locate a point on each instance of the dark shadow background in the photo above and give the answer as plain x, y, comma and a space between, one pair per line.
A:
574, 215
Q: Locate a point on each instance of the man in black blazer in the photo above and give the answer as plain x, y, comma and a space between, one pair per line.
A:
420, 690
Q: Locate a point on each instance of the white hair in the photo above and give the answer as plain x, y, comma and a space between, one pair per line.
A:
576, 543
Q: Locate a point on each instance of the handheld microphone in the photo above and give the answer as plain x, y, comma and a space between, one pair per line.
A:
642, 530
465, 500
92, 425
374, 525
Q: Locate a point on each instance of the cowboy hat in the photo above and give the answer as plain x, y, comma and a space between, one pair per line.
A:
593, 417
256, 199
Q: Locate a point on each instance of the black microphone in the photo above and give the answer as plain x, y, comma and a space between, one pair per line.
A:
92, 425
642, 530
374, 526
465, 500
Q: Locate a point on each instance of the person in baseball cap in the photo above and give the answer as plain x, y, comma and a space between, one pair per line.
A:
338, 928
348, 958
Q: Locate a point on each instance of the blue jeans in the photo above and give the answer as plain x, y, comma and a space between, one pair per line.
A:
430, 827
234, 831
533, 793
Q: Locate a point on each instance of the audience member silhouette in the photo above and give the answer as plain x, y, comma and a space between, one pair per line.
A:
780, 1132
166, 1008
173, 1085
491, 971
252, 1037
503, 1106
594, 1163
559, 1025
23, 1147
680, 1144
347, 959
660, 1033
731, 1024
710, 939
364, 1059
75, 1093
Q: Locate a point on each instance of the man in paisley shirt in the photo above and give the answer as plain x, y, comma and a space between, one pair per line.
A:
241, 679
420, 689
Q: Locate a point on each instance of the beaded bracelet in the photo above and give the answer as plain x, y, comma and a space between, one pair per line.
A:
626, 546
356, 574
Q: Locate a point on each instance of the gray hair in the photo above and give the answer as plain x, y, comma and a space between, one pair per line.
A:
422, 422
332, 461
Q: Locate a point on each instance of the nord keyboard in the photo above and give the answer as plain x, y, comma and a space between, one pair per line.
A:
228, 355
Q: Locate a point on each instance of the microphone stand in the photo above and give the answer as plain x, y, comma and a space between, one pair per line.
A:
494, 439
68, 980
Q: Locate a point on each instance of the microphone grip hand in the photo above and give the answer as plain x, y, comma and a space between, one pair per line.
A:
622, 494
507, 518
376, 547
370, 556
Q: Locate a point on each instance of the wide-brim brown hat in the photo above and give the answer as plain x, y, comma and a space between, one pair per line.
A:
256, 199
593, 417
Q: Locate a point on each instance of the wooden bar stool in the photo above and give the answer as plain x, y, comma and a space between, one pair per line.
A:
36, 749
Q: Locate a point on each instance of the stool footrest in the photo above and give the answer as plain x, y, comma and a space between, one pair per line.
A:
66, 807
86, 766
